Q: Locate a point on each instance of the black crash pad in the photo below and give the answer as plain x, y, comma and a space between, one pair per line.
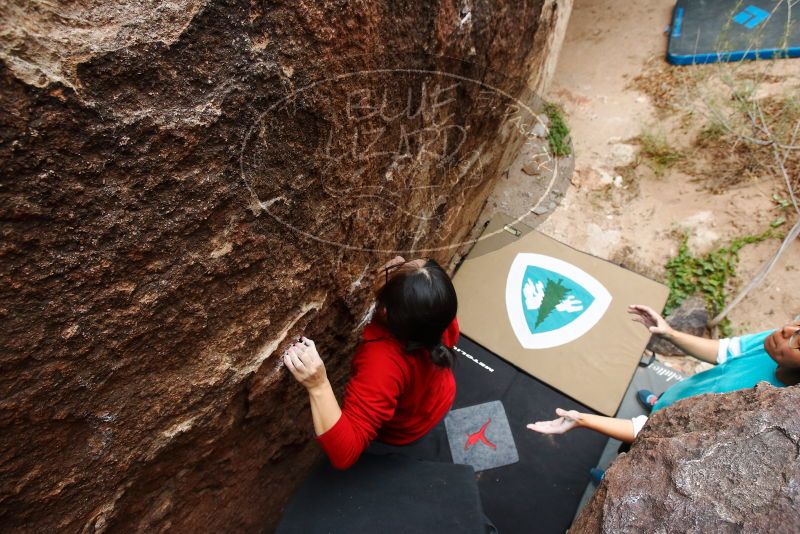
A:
542, 491
386, 494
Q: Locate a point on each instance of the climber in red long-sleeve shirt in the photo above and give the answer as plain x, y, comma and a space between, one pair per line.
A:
401, 382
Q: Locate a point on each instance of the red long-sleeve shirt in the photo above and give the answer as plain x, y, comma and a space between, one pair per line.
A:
392, 395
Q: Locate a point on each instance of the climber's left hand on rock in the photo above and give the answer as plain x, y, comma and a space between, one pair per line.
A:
302, 359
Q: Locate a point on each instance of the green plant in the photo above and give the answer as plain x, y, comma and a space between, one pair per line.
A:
657, 151
558, 132
781, 202
783, 206
706, 275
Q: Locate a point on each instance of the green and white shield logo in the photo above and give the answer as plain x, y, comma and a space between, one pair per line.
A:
551, 302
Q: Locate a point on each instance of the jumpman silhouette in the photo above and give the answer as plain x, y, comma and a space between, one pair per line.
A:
480, 435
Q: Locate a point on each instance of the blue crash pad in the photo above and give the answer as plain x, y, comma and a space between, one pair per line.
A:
709, 31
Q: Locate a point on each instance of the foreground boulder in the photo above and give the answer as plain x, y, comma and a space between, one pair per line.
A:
713, 463
180, 198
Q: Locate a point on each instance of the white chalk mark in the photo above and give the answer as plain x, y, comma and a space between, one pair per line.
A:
266, 351
427, 138
357, 282
221, 251
179, 428
367, 317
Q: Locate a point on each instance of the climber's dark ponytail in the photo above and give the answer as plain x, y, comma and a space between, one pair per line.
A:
443, 356
420, 305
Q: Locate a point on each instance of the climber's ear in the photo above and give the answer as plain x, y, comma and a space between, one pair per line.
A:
380, 312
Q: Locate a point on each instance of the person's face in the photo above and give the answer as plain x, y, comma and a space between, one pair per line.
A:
783, 346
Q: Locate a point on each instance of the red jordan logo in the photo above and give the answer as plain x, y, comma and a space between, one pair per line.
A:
480, 435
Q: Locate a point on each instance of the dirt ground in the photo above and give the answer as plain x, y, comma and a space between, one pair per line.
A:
633, 219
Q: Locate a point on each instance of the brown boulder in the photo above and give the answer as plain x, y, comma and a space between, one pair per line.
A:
712, 463
178, 201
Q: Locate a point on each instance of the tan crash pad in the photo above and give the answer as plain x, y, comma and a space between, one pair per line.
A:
555, 312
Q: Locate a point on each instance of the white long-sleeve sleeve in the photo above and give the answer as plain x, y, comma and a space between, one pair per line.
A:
729, 347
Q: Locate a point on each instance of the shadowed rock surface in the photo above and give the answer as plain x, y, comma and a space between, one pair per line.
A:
713, 463
177, 203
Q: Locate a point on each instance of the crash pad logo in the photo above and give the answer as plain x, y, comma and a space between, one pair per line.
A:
551, 302
480, 436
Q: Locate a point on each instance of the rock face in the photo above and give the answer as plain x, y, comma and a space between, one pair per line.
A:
713, 463
186, 186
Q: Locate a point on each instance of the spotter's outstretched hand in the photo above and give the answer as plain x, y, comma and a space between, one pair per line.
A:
567, 420
650, 319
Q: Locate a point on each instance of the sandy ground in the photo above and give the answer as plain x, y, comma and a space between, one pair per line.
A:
608, 43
